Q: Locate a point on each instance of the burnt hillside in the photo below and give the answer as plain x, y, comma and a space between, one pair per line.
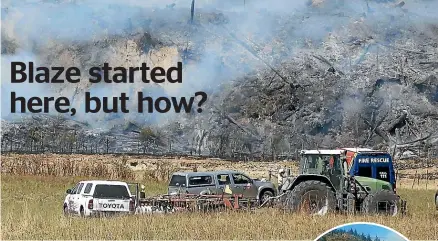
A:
322, 74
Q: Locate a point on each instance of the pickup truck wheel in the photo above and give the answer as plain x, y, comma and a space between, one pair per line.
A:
65, 211
264, 196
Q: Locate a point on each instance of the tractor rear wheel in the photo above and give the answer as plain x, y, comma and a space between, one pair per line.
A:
382, 202
313, 197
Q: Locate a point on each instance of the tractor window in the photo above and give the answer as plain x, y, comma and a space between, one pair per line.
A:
337, 166
313, 161
383, 173
200, 180
325, 163
365, 171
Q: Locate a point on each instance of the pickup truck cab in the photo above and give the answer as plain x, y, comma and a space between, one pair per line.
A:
94, 198
215, 182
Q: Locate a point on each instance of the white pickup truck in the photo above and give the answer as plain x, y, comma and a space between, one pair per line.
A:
94, 198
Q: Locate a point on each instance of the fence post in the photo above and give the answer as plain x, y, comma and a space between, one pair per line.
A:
427, 167
414, 180
427, 177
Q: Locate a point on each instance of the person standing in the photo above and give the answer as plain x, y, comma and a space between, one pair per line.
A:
142, 191
280, 178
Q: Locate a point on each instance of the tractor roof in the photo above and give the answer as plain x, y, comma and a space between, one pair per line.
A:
323, 152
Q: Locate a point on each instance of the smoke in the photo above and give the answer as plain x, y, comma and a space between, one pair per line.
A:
22, 89
228, 39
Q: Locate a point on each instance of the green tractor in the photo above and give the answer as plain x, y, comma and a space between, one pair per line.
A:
324, 184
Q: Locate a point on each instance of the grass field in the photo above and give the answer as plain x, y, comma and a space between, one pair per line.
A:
32, 209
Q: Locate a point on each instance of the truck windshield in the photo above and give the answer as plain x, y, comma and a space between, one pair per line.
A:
110, 191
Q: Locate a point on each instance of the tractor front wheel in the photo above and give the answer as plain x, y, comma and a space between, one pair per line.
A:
313, 197
382, 202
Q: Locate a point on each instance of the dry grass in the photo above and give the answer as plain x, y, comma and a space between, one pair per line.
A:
32, 209
110, 166
421, 184
66, 165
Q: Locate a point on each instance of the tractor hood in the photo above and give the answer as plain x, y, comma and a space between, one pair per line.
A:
373, 185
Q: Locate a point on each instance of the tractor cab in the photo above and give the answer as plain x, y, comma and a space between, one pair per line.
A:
328, 163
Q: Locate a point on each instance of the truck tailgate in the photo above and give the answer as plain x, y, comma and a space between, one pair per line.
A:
111, 205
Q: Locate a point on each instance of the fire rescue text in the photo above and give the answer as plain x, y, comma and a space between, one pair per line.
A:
374, 160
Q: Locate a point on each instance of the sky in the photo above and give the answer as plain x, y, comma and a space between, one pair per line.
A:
374, 230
